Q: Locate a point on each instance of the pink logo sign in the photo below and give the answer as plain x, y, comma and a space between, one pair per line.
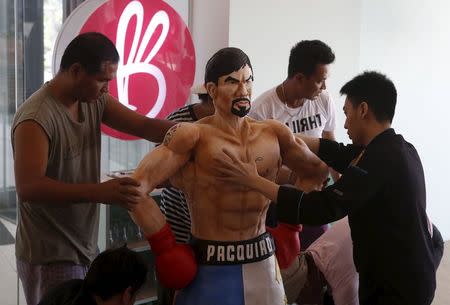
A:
157, 58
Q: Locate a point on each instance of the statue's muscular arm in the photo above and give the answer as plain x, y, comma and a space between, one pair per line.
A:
165, 160
158, 166
310, 170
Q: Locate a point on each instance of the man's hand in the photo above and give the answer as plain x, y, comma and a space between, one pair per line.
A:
309, 185
119, 191
232, 170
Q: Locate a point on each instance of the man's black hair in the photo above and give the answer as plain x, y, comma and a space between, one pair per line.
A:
90, 50
204, 97
225, 61
376, 90
113, 271
306, 55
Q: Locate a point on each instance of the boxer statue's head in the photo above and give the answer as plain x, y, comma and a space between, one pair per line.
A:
229, 80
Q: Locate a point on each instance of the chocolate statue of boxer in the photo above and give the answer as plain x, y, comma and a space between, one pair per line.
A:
234, 256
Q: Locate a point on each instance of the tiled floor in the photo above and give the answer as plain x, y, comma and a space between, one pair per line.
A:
9, 281
442, 296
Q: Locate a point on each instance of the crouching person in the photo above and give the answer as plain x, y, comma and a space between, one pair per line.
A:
114, 277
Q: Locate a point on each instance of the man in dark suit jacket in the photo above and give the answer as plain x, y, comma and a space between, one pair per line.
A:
382, 190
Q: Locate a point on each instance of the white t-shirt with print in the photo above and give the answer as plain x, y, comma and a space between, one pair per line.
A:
311, 119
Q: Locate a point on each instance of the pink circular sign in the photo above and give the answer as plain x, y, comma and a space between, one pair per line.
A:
157, 57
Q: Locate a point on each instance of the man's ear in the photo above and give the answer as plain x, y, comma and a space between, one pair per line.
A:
363, 109
75, 69
211, 87
300, 77
128, 296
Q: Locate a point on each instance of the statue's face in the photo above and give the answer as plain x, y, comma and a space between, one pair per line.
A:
233, 92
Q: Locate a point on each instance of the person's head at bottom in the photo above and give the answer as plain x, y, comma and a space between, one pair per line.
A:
115, 276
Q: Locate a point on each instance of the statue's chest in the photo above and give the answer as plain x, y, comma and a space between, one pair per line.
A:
264, 151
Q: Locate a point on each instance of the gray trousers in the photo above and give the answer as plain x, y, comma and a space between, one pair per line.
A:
38, 279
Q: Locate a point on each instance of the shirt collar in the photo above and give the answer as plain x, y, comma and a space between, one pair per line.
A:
382, 136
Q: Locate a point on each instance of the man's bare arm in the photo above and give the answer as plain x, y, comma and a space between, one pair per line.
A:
119, 117
31, 149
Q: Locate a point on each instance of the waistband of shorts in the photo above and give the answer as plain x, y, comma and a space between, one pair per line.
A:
210, 252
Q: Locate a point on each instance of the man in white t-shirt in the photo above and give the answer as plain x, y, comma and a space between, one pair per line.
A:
302, 103
315, 118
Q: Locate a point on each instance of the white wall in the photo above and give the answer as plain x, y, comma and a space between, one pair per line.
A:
406, 39
182, 8
209, 31
266, 30
409, 40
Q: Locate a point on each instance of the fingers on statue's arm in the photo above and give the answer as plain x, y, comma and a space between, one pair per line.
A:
230, 155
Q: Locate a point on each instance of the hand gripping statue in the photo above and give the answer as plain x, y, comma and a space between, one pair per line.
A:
230, 259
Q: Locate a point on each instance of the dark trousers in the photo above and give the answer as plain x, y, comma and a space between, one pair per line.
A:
165, 295
438, 246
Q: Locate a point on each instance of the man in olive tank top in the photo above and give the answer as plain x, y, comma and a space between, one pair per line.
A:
56, 141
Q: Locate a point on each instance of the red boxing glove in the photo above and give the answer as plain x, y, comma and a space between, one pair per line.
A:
287, 243
175, 263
